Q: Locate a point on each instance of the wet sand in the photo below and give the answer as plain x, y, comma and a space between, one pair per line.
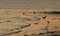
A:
28, 22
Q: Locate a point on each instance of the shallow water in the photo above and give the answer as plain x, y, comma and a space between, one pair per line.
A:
30, 4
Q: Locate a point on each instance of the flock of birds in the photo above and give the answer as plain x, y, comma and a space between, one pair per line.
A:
13, 23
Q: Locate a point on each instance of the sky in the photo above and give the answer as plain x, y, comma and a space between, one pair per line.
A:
30, 4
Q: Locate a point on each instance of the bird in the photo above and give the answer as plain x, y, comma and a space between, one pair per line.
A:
26, 35
34, 12
44, 17
48, 22
23, 13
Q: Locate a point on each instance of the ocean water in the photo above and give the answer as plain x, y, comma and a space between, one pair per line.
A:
30, 4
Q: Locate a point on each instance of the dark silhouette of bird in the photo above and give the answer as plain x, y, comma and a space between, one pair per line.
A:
40, 33
26, 35
44, 17
34, 12
23, 13
48, 22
